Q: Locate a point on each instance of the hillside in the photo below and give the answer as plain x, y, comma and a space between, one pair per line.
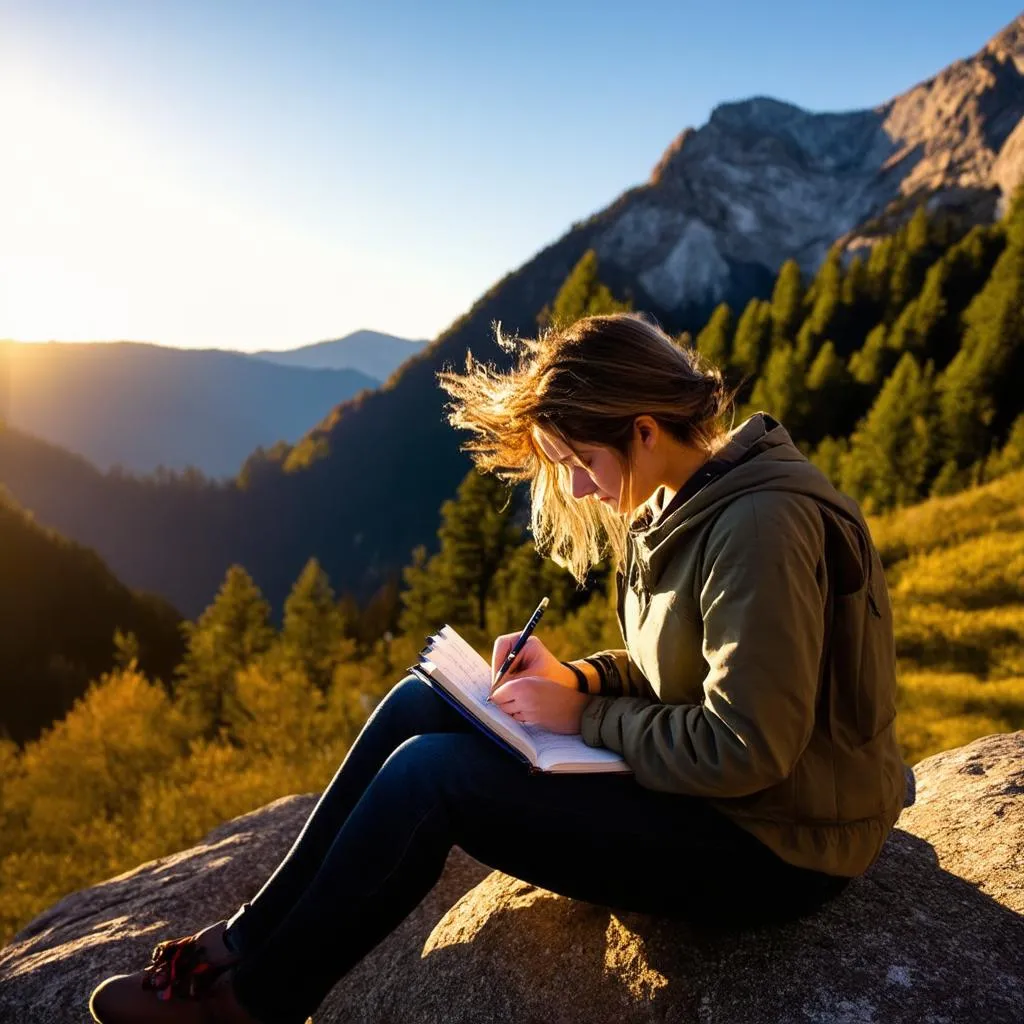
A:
140, 406
60, 606
955, 569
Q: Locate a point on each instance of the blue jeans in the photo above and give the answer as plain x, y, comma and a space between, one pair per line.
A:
419, 779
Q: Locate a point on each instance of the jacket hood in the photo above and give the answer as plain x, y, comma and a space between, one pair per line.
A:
763, 457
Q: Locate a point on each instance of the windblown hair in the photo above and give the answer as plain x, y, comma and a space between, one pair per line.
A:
585, 382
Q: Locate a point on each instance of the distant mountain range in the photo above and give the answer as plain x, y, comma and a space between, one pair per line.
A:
141, 405
370, 352
724, 207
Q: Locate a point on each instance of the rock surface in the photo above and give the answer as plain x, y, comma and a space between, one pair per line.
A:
49, 968
933, 932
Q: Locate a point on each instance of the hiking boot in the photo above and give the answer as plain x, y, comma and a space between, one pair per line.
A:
210, 942
180, 985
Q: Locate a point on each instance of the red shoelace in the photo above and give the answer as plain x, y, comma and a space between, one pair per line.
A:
177, 967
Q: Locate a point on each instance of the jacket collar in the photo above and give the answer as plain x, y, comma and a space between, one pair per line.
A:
759, 454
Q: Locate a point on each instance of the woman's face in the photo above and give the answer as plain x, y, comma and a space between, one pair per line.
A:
595, 471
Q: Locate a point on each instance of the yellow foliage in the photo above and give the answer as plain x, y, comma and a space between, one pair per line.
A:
985, 571
988, 643
945, 522
89, 766
939, 711
593, 628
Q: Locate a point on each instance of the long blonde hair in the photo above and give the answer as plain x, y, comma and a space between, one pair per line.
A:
585, 382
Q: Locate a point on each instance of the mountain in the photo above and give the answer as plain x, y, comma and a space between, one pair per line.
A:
370, 352
764, 181
142, 405
761, 182
59, 607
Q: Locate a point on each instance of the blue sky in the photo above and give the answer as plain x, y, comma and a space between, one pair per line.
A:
265, 175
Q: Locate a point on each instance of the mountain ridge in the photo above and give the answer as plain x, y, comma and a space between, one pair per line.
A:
207, 408
374, 353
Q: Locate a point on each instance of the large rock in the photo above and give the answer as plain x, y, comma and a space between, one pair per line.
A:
50, 967
932, 933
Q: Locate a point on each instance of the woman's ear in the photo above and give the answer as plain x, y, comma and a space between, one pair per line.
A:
645, 429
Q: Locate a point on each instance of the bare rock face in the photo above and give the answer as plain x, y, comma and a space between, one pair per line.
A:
1008, 170
933, 932
970, 806
764, 181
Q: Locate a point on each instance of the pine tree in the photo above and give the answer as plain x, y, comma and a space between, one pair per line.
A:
126, 650
714, 342
478, 529
523, 578
829, 456
867, 365
854, 289
949, 285
824, 297
858, 315
424, 606
780, 389
787, 302
879, 273
902, 336
911, 253
918, 230
891, 451
1011, 456
752, 335
979, 392
828, 391
582, 294
313, 633
233, 631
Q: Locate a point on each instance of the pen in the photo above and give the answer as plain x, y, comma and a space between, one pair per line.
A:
519, 644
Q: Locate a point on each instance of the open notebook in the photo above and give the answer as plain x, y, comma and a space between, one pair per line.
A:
451, 666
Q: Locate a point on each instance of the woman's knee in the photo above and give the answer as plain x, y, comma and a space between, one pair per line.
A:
437, 763
407, 699
409, 687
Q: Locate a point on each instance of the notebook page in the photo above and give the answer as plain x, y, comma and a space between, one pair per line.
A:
467, 672
461, 664
564, 748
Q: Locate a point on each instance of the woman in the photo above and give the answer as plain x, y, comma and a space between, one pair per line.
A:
765, 774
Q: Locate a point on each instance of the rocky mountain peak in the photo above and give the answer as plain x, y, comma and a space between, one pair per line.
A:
758, 114
1009, 44
765, 180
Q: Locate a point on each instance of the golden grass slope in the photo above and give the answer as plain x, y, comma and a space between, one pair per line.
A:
955, 569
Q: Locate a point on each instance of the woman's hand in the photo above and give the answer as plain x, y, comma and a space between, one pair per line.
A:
535, 701
533, 660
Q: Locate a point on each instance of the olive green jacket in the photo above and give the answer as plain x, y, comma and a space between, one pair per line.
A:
722, 690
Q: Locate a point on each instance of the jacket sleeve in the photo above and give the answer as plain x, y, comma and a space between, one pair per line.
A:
762, 601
